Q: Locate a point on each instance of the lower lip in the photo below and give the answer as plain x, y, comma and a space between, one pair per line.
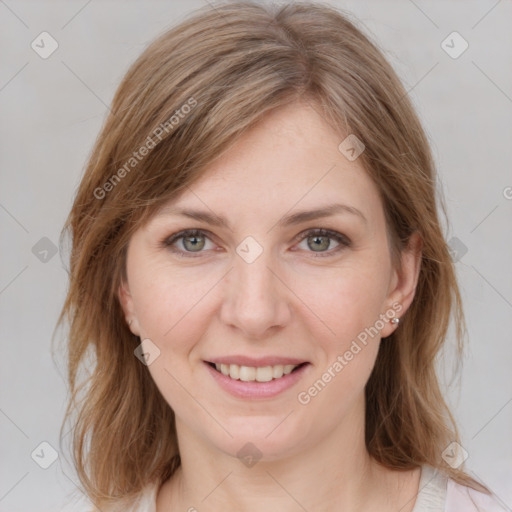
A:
241, 389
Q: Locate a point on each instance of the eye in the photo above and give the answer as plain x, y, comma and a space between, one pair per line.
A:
195, 240
318, 240
191, 241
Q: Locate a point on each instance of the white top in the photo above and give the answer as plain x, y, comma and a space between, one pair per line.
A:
437, 493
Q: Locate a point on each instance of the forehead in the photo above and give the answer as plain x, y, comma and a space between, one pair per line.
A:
289, 161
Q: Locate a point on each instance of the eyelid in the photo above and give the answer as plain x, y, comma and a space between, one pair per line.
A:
342, 240
340, 237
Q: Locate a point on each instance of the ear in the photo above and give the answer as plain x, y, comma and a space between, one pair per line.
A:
404, 281
128, 306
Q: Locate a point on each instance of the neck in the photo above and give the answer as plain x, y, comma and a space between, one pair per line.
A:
335, 473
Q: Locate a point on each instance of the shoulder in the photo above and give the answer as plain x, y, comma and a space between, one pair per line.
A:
437, 492
459, 497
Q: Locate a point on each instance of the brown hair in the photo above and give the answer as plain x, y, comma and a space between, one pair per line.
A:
231, 65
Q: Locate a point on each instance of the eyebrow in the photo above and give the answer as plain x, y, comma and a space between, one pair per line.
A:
288, 220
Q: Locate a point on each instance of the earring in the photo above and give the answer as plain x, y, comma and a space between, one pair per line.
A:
395, 320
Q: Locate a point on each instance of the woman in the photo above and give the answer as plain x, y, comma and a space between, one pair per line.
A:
259, 267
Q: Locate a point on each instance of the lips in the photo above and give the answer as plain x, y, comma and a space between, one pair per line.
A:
255, 362
255, 374
259, 382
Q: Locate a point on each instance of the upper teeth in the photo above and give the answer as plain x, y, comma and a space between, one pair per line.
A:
260, 374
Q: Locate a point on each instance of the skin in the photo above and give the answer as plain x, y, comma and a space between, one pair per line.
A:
288, 302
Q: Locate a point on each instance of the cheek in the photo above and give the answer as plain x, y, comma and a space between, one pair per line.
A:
345, 300
171, 311
168, 301
347, 332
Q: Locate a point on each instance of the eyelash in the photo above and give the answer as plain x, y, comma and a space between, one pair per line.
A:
341, 239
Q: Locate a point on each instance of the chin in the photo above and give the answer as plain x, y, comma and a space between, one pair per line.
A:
265, 438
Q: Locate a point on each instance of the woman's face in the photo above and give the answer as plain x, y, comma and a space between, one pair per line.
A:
262, 292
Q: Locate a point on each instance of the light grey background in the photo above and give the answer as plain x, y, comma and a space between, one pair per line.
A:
52, 109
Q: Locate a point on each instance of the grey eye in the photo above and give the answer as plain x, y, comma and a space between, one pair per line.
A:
193, 243
320, 242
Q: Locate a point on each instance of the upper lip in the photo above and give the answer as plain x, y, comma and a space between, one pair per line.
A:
256, 361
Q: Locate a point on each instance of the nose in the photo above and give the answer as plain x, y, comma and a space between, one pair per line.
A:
255, 298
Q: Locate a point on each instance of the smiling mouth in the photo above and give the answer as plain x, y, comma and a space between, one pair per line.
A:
256, 374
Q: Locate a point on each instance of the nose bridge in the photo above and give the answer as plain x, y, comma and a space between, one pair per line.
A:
254, 300
254, 278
